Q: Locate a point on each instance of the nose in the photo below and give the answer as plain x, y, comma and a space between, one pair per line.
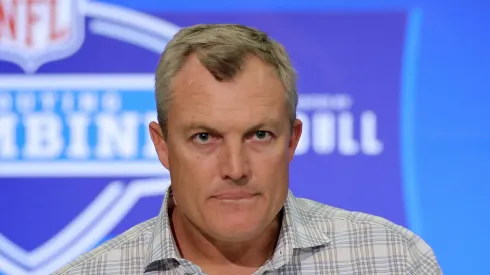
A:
234, 162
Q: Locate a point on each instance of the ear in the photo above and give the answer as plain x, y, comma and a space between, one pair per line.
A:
295, 136
160, 143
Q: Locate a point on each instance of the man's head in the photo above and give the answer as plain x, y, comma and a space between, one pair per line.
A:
226, 99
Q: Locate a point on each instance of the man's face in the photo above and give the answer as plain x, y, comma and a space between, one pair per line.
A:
228, 149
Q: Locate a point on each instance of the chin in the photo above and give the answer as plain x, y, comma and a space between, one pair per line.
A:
237, 230
232, 235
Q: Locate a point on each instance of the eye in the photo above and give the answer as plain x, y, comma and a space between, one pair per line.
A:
262, 135
202, 137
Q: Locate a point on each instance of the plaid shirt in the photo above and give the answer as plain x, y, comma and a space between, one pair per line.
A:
314, 239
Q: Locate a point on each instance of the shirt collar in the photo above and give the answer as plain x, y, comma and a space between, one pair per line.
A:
298, 231
162, 245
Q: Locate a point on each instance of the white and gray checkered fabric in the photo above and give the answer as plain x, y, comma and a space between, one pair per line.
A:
315, 239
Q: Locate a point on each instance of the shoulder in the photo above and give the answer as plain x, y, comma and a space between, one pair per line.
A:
361, 231
128, 249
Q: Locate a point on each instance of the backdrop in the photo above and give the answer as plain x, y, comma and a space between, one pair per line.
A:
392, 97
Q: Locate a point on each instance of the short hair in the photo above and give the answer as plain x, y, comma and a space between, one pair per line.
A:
221, 49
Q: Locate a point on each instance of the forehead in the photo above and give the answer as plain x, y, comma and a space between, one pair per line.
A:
255, 93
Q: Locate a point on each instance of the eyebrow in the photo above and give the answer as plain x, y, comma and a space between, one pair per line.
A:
271, 123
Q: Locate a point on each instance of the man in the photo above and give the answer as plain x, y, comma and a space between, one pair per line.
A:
226, 98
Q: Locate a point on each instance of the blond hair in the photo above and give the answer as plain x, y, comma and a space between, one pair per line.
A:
222, 49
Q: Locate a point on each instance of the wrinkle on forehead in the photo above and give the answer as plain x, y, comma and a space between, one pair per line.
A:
255, 94
193, 72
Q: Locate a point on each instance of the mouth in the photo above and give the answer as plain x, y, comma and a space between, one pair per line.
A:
235, 196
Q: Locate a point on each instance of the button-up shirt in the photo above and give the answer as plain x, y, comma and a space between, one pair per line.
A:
314, 239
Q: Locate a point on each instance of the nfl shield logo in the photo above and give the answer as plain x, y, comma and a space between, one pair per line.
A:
34, 32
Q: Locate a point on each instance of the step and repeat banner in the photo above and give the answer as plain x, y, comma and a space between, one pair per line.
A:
77, 166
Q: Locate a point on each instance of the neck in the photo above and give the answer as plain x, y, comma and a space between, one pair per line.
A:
206, 251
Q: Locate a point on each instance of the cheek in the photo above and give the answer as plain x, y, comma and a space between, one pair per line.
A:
183, 159
271, 170
274, 156
191, 175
